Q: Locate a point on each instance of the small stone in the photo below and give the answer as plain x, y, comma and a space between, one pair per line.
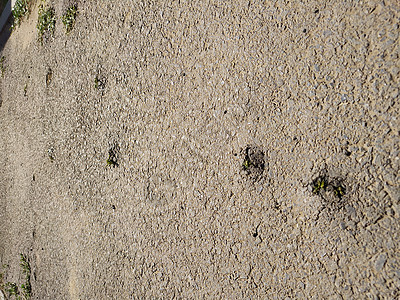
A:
380, 262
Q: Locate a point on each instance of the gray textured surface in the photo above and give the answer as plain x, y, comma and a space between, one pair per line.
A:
187, 87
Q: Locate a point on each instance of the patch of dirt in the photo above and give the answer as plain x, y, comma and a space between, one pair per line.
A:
182, 86
253, 162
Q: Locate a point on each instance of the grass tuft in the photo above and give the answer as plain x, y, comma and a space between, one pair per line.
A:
2, 67
318, 185
19, 11
112, 157
12, 289
26, 269
46, 22
69, 17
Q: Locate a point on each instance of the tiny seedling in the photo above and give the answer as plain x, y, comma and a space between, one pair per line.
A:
46, 21
330, 189
112, 158
25, 89
339, 191
51, 154
253, 163
19, 10
26, 269
111, 162
319, 184
96, 82
2, 67
12, 289
49, 76
69, 17
99, 84
247, 163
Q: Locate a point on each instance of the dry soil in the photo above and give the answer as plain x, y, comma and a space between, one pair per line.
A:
216, 119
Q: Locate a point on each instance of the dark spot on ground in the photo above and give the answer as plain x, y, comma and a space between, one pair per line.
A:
253, 162
331, 190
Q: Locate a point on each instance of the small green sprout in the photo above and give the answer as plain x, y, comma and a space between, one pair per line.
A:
2, 67
26, 269
112, 158
96, 83
49, 76
46, 21
339, 191
99, 84
19, 10
51, 154
318, 185
247, 163
111, 162
69, 17
12, 289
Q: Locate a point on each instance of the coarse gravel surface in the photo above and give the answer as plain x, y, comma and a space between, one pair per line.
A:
204, 149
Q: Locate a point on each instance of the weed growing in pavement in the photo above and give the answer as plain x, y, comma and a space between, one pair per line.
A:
2, 67
26, 269
11, 288
339, 191
19, 10
51, 154
330, 189
112, 162
49, 76
96, 82
246, 163
69, 17
99, 84
319, 185
46, 21
253, 162
112, 158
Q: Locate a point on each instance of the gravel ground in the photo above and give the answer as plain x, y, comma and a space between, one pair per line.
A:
252, 148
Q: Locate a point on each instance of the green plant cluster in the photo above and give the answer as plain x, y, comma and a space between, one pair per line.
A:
247, 163
12, 289
321, 184
2, 67
112, 160
99, 84
69, 17
46, 21
26, 269
19, 10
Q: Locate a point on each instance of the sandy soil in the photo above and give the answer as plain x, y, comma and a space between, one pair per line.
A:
220, 115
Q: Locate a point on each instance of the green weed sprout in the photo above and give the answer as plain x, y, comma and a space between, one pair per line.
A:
26, 269
19, 11
247, 163
2, 67
339, 191
69, 17
318, 185
46, 21
12, 289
